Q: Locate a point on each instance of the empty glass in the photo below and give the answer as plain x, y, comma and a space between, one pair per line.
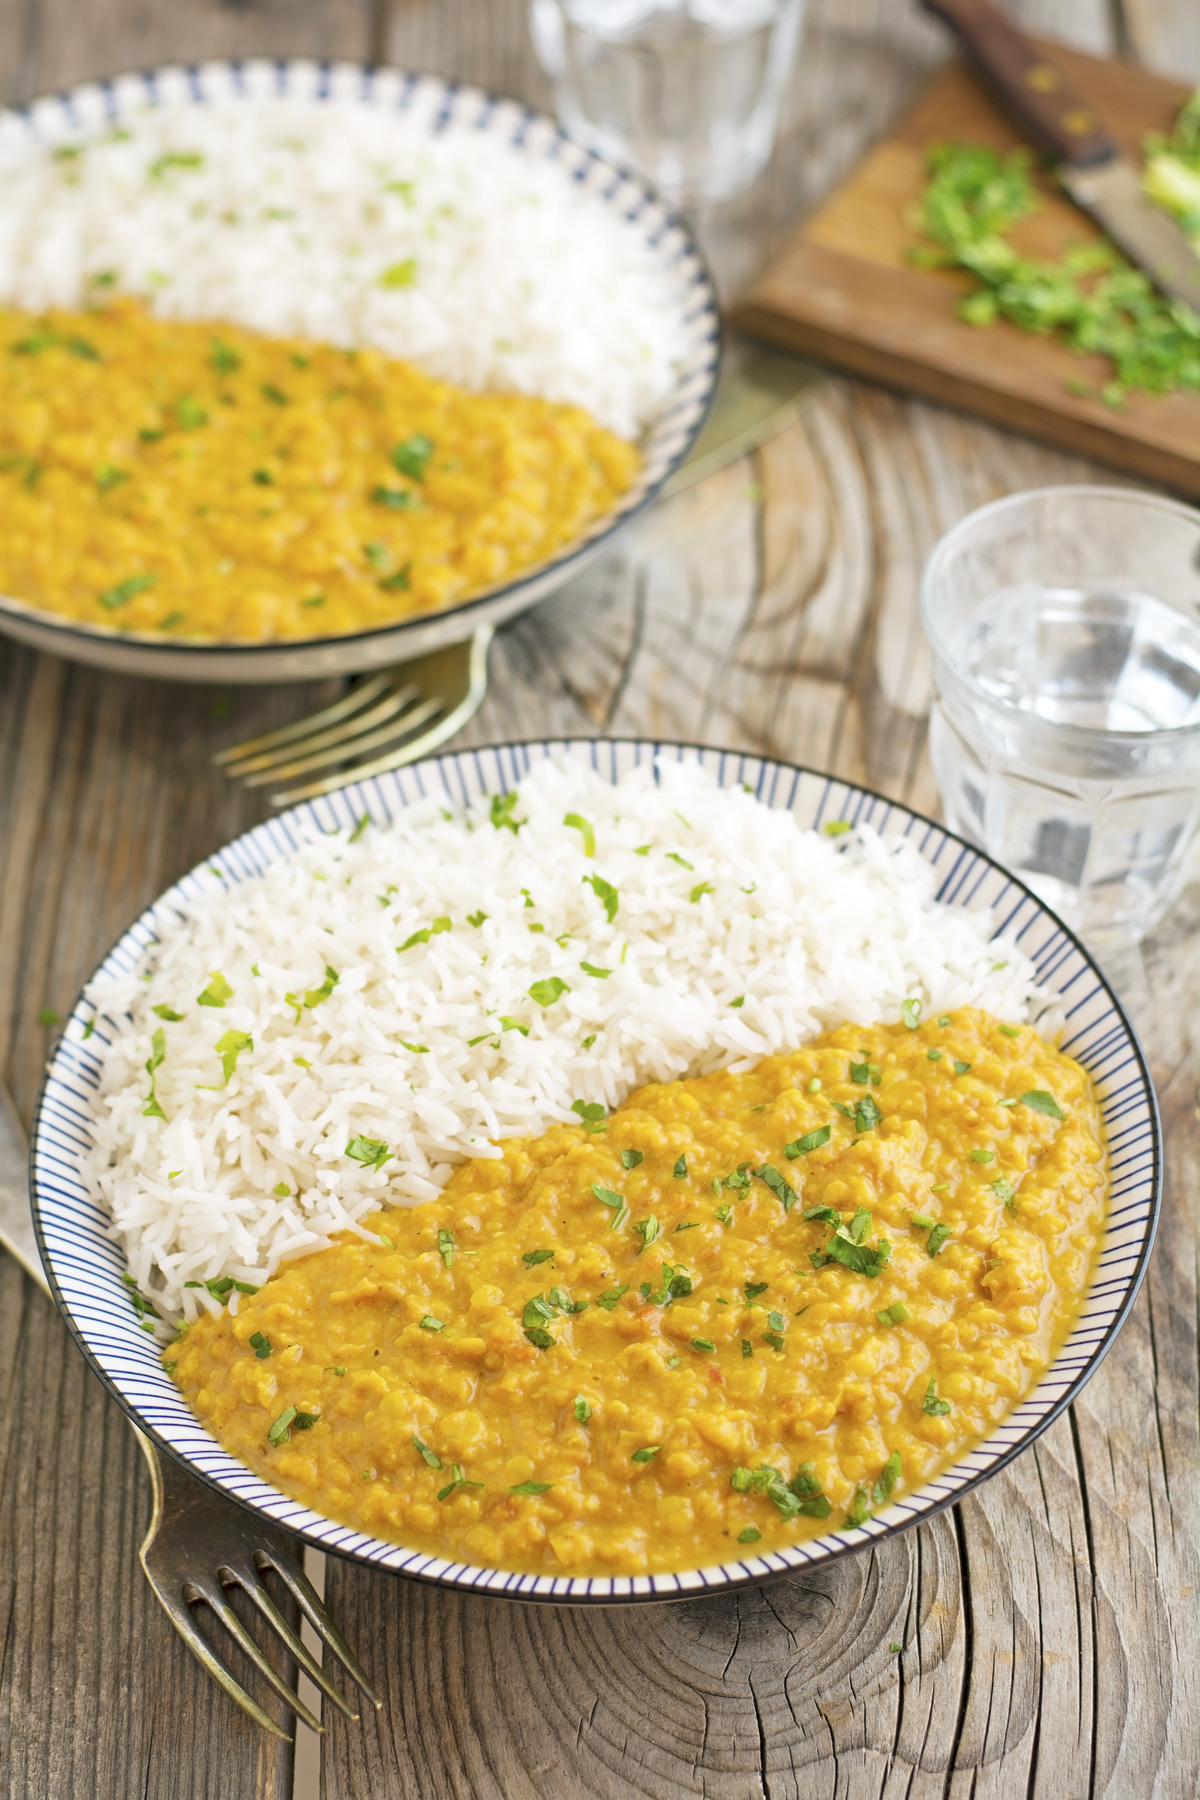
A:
689, 91
1065, 735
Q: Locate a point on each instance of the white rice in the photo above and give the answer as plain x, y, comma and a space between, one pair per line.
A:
736, 935
287, 215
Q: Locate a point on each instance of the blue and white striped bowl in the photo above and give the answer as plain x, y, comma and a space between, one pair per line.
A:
85, 1265
445, 109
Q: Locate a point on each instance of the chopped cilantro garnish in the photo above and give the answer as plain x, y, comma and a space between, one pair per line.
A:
698, 892
783, 1190
125, 591
445, 1244
747, 1347
260, 1343
429, 1322
812, 1140
894, 1314
459, 1481
750, 1535
931, 1404
753, 1289
531, 1258
605, 893
1005, 1191
983, 1156
608, 1300
725, 1215
584, 828
937, 1238
704, 1345
1038, 1100
617, 1203
934, 1055
593, 1115
281, 1190
960, 1068
368, 1151
889, 1475
1010, 1030
531, 1487
508, 1023
165, 1012
548, 991
648, 1229
229, 1047
588, 1041
910, 1012
775, 1339
680, 1169
647, 1453
411, 458
674, 856
217, 992
476, 919
158, 1050
582, 1409
631, 1158
280, 1431
837, 827
501, 814
426, 1454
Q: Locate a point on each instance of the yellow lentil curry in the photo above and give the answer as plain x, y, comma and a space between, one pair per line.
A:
742, 1310
205, 482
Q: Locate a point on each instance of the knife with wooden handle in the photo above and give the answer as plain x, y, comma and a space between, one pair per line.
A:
1088, 164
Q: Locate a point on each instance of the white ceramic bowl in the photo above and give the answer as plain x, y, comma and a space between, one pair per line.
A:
85, 1265
444, 109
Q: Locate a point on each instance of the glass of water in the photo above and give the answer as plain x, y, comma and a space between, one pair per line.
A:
689, 91
1065, 735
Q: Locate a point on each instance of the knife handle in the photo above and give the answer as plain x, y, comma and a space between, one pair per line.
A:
1033, 89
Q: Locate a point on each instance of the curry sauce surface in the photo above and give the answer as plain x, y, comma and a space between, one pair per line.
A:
726, 1351
207, 483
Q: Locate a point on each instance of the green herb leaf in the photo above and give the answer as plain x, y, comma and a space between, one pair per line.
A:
314, 996
812, 1140
983, 1156
934, 1055
280, 1431
889, 1475
531, 1487
605, 893
960, 1068
581, 825
618, 1204
476, 919
539, 1337
260, 1343
445, 1244
609, 1299
429, 1323
158, 1050
591, 969
782, 1190
680, 1169
750, 1535
427, 1455
866, 1114
631, 1158
217, 992
229, 1047
165, 1012
582, 1409
502, 809
647, 1453
648, 1229
931, 1404
753, 1289
1010, 1030
895, 1314
508, 1023
548, 991
399, 274
411, 458
531, 1258
910, 1012
674, 856
1038, 1100
701, 888
368, 1151
1004, 1191
725, 1215
937, 1238
704, 1345
593, 1115
459, 1481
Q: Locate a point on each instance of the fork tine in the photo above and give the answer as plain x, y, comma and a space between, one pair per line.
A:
343, 733
447, 725
321, 759
309, 1601
212, 1593
180, 1615
341, 709
246, 1576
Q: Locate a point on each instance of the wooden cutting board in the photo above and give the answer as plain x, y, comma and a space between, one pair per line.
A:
843, 290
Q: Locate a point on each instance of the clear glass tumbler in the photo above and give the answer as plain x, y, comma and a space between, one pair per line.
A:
1065, 735
689, 91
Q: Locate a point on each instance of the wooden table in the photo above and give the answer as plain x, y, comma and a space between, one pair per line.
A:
1050, 1623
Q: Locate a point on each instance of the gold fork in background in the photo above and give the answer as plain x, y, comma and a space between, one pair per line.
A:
199, 1546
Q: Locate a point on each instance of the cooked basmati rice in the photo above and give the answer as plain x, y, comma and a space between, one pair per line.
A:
354, 226
453, 979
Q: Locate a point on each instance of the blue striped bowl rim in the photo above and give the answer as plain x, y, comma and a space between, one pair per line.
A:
445, 108
85, 1265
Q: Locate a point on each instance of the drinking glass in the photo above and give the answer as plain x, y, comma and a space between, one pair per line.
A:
1065, 735
689, 91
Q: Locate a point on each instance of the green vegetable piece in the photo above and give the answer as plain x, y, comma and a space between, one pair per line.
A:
165, 1012
190, 414
631, 1158
411, 458
591, 969
217, 992
605, 893
698, 892
229, 1047
426, 1454
114, 597
725, 1215
531, 1258
582, 1409
747, 1347
812, 1140
532, 1487
1010, 1030
960, 1068
936, 1408
368, 1151
895, 1314
445, 1244
937, 1238
934, 1055
782, 1190
502, 809
225, 359
608, 1300
593, 1115
866, 1114
837, 827
158, 1050
314, 996
429, 1322
1005, 1191
775, 1339
859, 1509
459, 1481
260, 1343
476, 919
983, 1156
399, 274
680, 1169
647, 1453
889, 1475
753, 1289
539, 1337
674, 856
280, 1431
617, 1202
704, 1345
508, 1023
910, 1012
750, 1535
648, 1229
1038, 1100
581, 825
548, 991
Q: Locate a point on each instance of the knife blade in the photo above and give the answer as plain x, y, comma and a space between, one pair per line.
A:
1089, 166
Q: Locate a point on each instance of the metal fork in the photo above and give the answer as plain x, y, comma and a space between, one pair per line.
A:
440, 691
199, 1546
